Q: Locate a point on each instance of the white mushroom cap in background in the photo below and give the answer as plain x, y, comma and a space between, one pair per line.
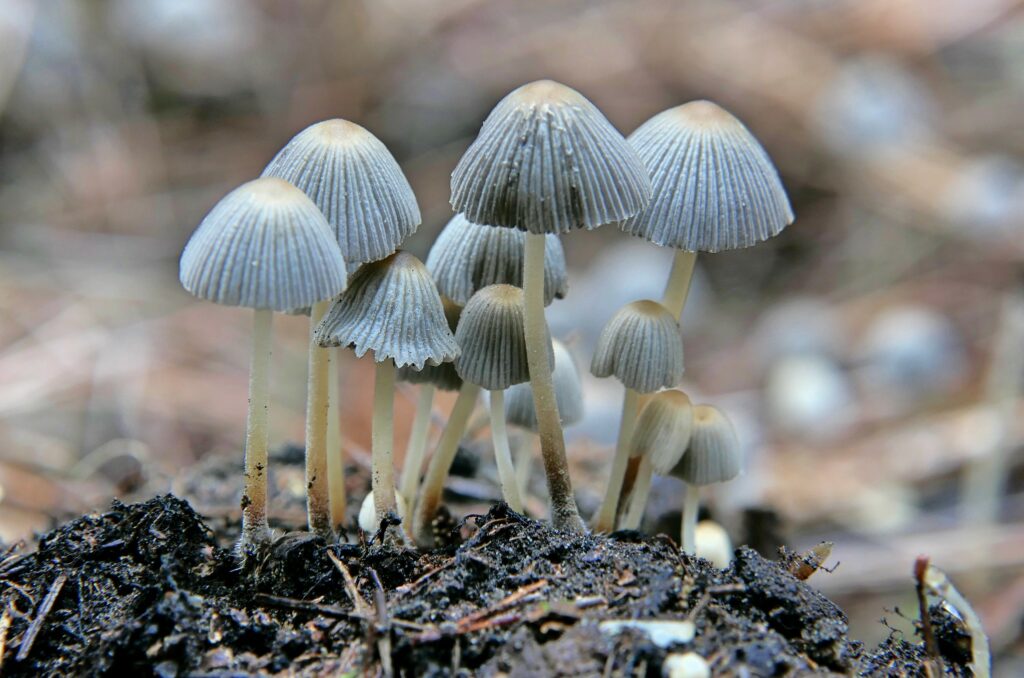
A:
519, 405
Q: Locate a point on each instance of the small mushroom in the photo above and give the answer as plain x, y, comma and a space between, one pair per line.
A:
547, 161
368, 513
264, 246
712, 543
713, 457
643, 348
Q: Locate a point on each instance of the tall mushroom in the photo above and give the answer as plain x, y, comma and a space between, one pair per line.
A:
393, 309
264, 246
547, 161
642, 347
359, 187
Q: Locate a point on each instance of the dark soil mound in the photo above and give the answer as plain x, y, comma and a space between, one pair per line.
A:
146, 589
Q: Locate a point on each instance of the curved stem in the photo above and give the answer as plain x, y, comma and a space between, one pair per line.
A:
441, 462
678, 286
335, 455
255, 530
502, 452
382, 476
604, 520
691, 503
318, 509
417, 445
638, 497
564, 513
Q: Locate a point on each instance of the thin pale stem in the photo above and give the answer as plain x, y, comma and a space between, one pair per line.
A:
638, 497
604, 520
441, 462
678, 286
335, 455
524, 462
383, 468
503, 453
318, 505
564, 513
255, 530
691, 504
417, 445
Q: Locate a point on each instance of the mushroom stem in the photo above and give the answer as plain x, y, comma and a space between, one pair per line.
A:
691, 503
440, 463
678, 286
503, 453
335, 455
523, 462
383, 469
638, 496
604, 520
417, 444
255, 530
564, 513
318, 509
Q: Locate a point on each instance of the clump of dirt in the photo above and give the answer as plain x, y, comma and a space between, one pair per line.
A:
149, 589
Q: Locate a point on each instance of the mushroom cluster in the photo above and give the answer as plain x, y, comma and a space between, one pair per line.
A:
320, 233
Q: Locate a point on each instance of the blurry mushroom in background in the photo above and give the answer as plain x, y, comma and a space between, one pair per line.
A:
643, 348
547, 161
660, 438
712, 543
391, 308
714, 189
358, 185
714, 456
809, 396
685, 665
264, 246
368, 513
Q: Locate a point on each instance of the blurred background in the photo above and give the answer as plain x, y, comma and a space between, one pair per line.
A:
870, 355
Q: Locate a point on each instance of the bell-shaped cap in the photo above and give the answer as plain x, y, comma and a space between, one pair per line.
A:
467, 257
442, 376
519, 407
391, 307
265, 245
715, 188
642, 346
663, 430
356, 183
547, 161
492, 335
714, 452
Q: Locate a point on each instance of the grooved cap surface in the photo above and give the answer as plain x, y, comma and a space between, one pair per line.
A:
392, 308
356, 182
663, 430
264, 245
467, 257
715, 188
714, 452
492, 335
442, 376
519, 407
547, 161
641, 346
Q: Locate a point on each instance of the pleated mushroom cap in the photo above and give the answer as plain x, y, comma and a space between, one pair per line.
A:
547, 161
715, 188
663, 430
442, 376
392, 308
467, 257
265, 245
642, 347
519, 407
714, 452
356, 182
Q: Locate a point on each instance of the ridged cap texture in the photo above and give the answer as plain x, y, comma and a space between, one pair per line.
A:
392, 308
715, 188
714, 452
265, 245
442, 376
467, 257
519, 407
663, 430
356, 183
641, 346
547, 161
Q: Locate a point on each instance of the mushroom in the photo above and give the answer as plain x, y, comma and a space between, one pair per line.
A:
393, 309
643, 348
660, 438
547, 161
360, 188
368, 513
264, 246
714, 189
713, 457
712, 543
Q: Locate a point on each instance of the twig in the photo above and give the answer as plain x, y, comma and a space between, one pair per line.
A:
37, 623
350, 585
713, 591
931, 645
503, 604
383, 627
305, 606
